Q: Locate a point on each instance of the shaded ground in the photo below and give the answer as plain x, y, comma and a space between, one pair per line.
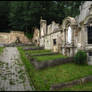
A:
12, 73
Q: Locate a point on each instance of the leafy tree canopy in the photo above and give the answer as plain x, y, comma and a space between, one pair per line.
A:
25, 15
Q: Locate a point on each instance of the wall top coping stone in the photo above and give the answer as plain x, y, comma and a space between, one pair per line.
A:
11, 32
3, 33
16, 32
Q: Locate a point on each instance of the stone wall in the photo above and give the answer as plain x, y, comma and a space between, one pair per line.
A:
84, 20
36, 36
48, 42
6, 38
52, 33
56, 36
84, 11
42, 41
65, 43
43, 27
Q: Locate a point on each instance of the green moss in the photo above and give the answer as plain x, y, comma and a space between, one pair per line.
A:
82, 87
43, 79
1, 49
25, 62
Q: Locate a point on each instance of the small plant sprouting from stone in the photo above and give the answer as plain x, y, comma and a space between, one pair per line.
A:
20, 71
12, 82
22, 77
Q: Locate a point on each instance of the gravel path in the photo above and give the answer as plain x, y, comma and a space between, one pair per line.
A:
12, 72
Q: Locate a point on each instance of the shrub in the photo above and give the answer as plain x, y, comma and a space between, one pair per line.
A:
80, 57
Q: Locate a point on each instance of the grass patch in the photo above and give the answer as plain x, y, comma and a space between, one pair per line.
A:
43, 58
1, 49
26, 63
33, 52
43, 79
82, 87
49, 57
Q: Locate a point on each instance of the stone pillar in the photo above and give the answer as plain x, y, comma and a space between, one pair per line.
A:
43, 28
73, 45
64, 36
86, 34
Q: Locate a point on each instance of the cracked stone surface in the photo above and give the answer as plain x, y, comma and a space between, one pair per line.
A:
12, 72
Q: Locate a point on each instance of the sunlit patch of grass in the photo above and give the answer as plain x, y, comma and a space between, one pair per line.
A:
1, 49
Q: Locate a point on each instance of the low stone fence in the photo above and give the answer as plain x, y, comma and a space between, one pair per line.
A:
51, 53
34, 48
50, 63
16, 44
72, 83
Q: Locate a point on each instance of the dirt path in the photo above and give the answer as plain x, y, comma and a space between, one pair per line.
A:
12, 72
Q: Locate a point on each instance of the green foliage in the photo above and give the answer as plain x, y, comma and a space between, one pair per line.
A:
43, 79
50, 57
1, 49
33, 52
4, 12
80, 57
25, 15
29, 35
81, 87
43, 58
27, 65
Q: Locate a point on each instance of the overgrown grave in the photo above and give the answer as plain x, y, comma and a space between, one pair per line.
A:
64, 74
45, 63
71, 83
50, 63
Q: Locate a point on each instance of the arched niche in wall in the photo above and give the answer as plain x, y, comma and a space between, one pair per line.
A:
67, 26
88, 35
88, 28
69, 35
